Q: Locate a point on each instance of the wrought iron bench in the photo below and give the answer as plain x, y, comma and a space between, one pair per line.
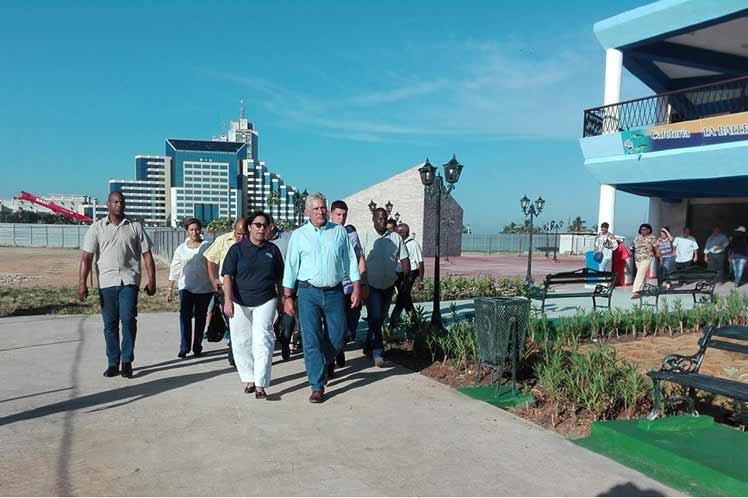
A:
684, 370
604, 282
692, 281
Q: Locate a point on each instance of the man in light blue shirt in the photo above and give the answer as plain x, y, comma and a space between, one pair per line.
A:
320, 256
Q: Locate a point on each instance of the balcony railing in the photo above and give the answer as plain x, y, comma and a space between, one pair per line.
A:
726, 97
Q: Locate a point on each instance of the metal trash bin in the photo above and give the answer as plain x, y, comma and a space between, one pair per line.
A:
501, 327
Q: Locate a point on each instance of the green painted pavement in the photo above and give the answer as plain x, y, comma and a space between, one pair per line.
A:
504, 398
692, 454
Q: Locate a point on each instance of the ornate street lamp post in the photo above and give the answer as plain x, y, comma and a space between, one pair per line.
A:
532, 210
556, 227
372, 206
433, 184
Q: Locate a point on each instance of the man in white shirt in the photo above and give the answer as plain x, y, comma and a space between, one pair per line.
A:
382, 250
404, 300
686, 250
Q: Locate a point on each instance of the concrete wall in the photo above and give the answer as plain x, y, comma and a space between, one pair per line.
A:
406, 194
671, 214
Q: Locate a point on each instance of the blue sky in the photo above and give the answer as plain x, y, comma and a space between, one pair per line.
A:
344, 94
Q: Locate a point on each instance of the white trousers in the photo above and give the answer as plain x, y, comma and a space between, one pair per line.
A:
253, 341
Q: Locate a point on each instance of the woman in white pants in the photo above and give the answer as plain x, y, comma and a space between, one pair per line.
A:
252, 273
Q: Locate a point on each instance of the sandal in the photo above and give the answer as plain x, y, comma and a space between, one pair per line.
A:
249, 389
261, 394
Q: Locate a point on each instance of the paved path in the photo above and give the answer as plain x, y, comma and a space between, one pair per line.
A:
184, 427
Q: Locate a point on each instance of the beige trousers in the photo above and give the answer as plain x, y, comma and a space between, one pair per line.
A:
641, 274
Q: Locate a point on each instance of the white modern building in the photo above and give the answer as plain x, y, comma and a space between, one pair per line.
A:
683, 147
265, 190
242, 131
147, 196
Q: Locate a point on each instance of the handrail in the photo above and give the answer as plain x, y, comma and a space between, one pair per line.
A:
724, 97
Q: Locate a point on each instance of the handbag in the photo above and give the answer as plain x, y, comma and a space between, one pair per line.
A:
598, 256
217, 326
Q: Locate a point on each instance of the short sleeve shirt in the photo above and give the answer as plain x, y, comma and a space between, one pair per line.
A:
666, 247
219, 248
118, 249
644, 247
383, 252
256, 270
359, 251
684, 248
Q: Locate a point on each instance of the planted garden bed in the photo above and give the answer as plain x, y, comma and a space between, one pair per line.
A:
586, 367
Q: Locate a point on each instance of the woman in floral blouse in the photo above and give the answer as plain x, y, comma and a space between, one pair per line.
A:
644, 251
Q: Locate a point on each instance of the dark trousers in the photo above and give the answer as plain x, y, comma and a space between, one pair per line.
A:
353, 315
119, 304
285, 326
404, 299
717, 263
192, 306
683, 266
377, 306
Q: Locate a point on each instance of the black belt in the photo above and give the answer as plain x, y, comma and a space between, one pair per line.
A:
306, 284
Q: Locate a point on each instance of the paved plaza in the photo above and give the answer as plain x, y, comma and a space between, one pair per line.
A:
184, 427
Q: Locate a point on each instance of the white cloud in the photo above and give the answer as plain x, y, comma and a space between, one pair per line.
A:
493, 91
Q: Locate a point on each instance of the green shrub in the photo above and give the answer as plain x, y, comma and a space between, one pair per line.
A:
596, 381
641, 321
456, 287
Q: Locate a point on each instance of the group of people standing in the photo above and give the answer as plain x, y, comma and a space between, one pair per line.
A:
677, 253
319, 276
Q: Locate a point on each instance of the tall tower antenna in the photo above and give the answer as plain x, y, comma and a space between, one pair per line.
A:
241, 109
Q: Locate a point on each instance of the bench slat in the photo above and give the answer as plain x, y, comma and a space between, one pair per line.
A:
732, 332
728, 346
730, 388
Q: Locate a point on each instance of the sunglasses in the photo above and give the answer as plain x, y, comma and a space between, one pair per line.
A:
259, 225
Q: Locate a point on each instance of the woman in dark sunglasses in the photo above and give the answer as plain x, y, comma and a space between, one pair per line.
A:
252, 273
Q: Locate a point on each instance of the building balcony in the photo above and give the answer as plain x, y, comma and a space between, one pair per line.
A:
695, 103
673, 145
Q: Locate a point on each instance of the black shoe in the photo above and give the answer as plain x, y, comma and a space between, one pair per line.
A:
261, 394
197, 353
127, 370
367, 349
182, 354
111, 372
285, 352
340, 359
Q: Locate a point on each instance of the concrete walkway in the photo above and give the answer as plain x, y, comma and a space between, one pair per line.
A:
184, 427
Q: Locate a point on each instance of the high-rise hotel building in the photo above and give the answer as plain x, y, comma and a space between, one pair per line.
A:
261, 188
265, 190
147, 196
206, 179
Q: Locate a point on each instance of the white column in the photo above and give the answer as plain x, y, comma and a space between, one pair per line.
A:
607, 210
612, 95
613, 66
